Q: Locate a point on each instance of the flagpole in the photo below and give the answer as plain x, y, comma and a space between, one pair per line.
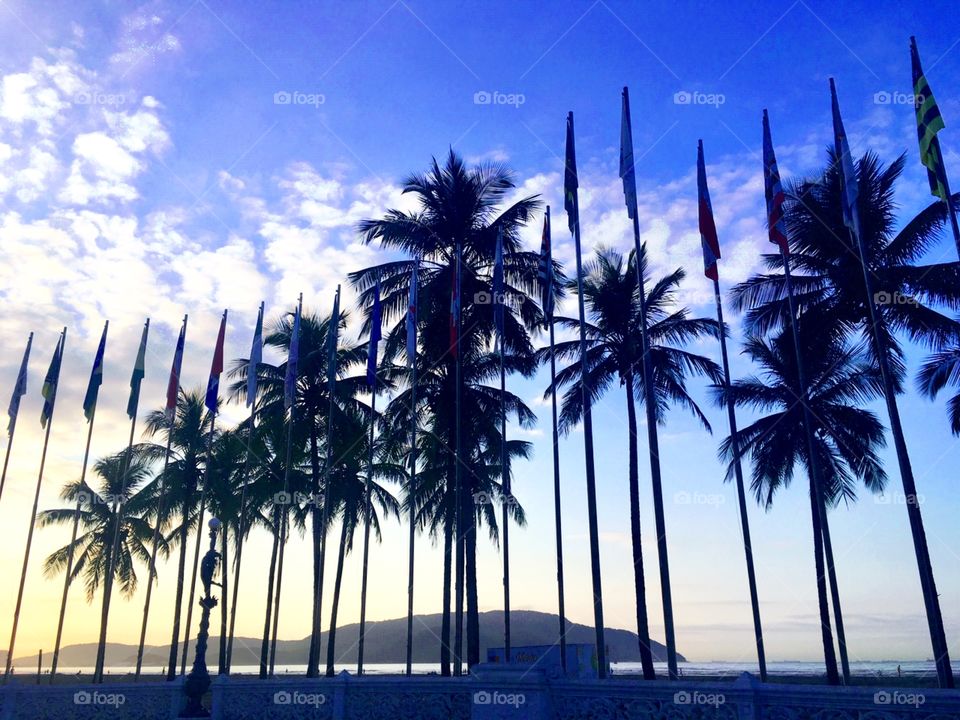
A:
507, 499
556, 503
13, 419
411, 493
33, 515
331, 375
587, 424
241, 524
458, 513
161, 508
366, 530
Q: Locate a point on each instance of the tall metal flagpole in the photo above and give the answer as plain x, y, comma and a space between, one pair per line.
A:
253, 363
212, 409
928, 585
333, 338
58, 358
173, 388
572, 205
458, 524
76, 514
132, 406
19, 389
411, 489
499, 310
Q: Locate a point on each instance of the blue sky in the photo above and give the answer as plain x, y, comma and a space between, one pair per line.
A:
150, 166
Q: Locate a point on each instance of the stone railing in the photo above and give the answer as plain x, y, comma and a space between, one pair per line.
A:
492, 693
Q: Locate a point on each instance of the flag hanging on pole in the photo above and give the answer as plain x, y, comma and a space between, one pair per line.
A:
332, 344
545, 268
50, 381
929, 123
570, 181
848, 173
773, 191
375, 335
139, 372
708, 228
173, 384
256, 357
499, 291
627, 171
293, 358
216, 367
96, 378
20, 389
412, 316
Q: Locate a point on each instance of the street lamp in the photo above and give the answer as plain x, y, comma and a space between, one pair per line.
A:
198, 680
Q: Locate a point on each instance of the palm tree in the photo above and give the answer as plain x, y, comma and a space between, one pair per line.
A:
98, 510
614, 354
833, 280
846, 436
459, 214
938, 371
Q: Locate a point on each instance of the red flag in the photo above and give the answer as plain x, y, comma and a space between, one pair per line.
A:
708, 229
213, 384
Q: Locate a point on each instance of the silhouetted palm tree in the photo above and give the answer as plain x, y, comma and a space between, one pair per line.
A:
938, 371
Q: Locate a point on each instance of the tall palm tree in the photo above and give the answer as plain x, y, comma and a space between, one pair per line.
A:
938, 371
460, 209
614, 354
846, 436
98, 522
832, 279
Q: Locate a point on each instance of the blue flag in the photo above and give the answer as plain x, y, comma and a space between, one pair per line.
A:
96, 378
293, 357
375, 334
256, 357
20, 389
412, 317
498, 287
848, 173
216, 368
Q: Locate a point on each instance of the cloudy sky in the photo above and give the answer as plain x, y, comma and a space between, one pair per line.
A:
188, 156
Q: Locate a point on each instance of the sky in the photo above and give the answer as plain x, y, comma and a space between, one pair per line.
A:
186, 156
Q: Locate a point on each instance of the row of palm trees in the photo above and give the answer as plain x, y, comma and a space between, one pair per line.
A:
461, 214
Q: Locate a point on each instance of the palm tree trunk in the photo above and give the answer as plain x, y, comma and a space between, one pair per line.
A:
222, 649
829, 655
271, 577
473, 609
835, 595
178, 602
445, 620
639, 584
332, 634
317, 530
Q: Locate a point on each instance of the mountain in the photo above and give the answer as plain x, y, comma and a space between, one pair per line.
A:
386, 642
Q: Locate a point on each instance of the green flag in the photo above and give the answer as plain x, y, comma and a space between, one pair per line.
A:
929, 123
50, 381
96, 378
138, 373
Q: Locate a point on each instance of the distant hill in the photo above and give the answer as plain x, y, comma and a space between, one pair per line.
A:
385, 643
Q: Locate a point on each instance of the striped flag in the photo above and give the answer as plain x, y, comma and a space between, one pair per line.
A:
216, 367
929, 123
20, 389
375, 334
773, 191
708, 228
139, 372
545, 268
293, 359
627, 172
50, 382
412, 316
570, 181
332, 344
96, 378
256, 357
498, 287
848, 174
173, 384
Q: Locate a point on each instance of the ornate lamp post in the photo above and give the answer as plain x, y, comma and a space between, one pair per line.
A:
198, 681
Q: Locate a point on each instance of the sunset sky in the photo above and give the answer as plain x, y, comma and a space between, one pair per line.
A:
187, 156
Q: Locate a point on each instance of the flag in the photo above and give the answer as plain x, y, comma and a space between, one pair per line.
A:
96, 379
545, 268
570, 182
412, 317
293, 358
256, 357
332, 344
708, 228
929, 123
627, 171
848, 174
173, 384
773, 191
139, 371
20, 389
216, 367
498, 287
455, 306
50, 382
375, 335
